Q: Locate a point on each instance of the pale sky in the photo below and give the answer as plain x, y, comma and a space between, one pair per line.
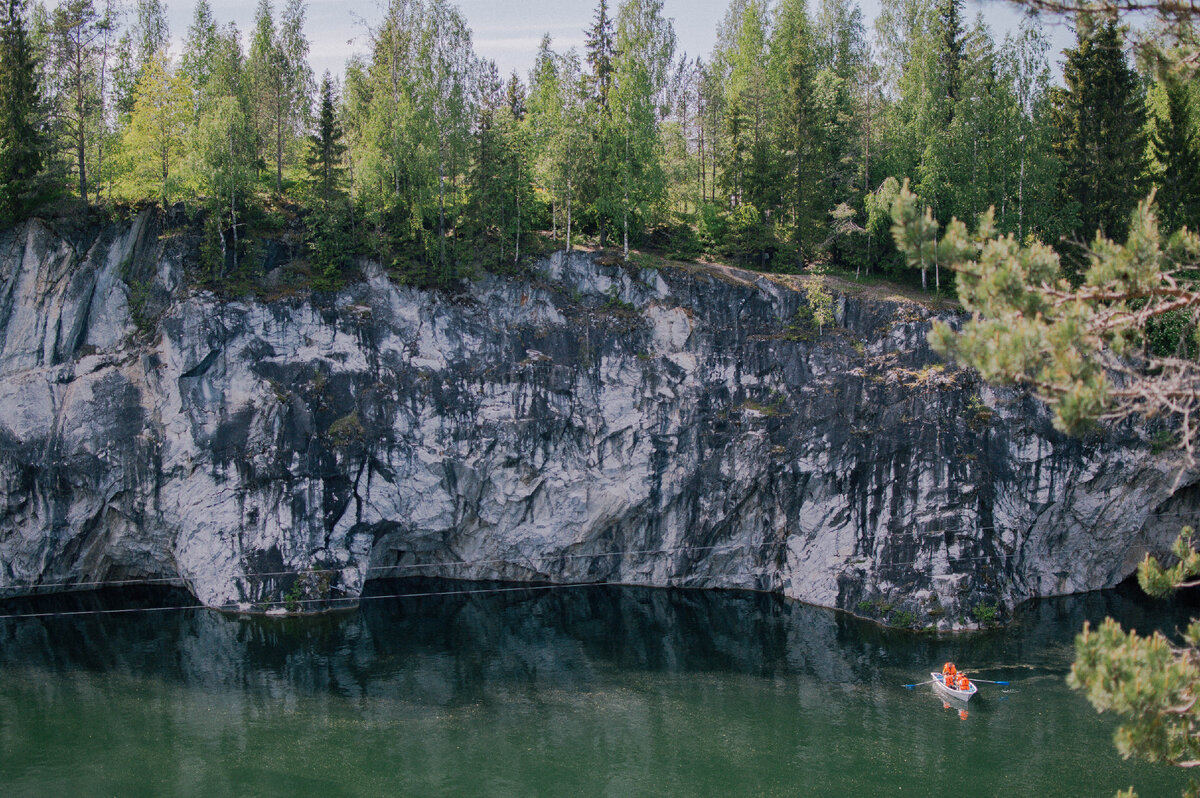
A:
508, 32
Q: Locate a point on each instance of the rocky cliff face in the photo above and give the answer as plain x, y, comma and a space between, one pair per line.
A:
587, 423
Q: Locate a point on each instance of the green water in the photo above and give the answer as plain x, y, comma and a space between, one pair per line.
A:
596, 691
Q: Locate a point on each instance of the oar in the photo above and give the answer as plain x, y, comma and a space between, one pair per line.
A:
985, 681
918, 684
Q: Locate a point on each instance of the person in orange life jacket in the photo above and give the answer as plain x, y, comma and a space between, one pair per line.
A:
964, 683
948, 672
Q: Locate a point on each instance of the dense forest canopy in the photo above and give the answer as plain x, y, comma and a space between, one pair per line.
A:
784, 147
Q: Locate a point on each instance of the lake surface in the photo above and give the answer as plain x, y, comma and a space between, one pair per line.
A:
572, 691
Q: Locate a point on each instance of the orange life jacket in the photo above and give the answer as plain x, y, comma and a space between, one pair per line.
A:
963, 682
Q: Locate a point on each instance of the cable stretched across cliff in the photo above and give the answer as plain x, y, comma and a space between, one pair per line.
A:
408, 567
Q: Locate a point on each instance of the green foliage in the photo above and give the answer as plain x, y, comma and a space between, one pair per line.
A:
1099, 129
1147, 680
76, 28
22, 116
139, 300
154, 144
814, 315
986, 614
645, 47
802, 327
331, 248
747, 236
294, 596
713, 228
1024, 326
784, 149
346, 430
1175, 148
821, 302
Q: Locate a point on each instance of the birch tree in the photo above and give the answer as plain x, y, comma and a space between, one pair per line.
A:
645, 45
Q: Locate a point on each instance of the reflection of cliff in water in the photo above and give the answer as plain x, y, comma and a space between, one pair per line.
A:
465, 648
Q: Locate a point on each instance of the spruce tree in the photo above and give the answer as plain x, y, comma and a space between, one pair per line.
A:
329, 241
199, 47
326, 149
601, 176
793, 78
1176, 151
515, 95
22, 119
266, 68
601, 52
1099, 119
951, 53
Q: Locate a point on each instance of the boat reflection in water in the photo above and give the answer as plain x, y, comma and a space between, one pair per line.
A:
952, 703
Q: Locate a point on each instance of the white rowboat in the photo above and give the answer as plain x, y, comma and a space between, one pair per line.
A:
962, 695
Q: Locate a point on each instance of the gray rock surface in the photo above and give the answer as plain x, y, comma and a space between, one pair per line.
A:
587, 423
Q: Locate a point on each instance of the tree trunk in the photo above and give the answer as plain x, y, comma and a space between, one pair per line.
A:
799, 200
441, 210
279, 153
1021, 202
625, 246
937, 275
233, 209
81, 151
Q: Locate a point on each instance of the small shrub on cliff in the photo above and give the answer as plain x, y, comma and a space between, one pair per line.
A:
346, 430
821, 302
331, 248
986, 614
292, 598
139, 301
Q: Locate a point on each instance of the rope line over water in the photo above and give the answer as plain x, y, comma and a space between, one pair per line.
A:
179, 581
343, 600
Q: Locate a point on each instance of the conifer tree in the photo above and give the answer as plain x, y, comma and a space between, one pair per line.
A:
124, 78
329, 240
794, 97
951, 53
601, 53
22, 116
742, 58
515, 96
1175, 148
199, 47
326, 148
1099, 119
267, 68
75, 30
600, 180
